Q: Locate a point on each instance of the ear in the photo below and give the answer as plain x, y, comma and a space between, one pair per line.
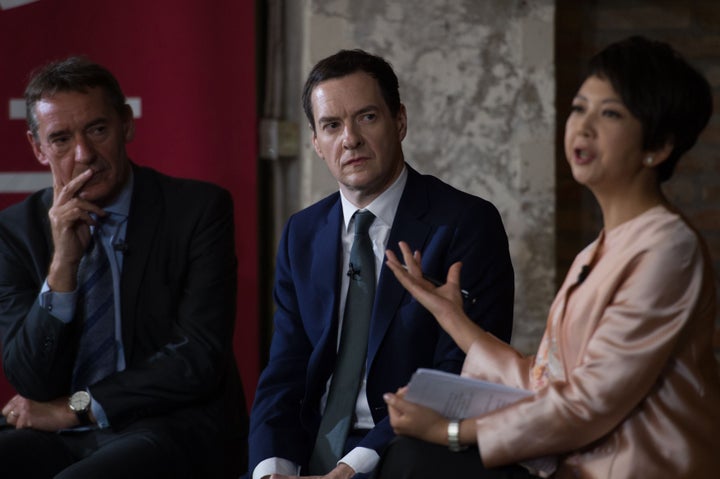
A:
661, 154
401, 121
37, 149
128, 124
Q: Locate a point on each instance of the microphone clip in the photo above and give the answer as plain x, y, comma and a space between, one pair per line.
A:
121, 246
353, 273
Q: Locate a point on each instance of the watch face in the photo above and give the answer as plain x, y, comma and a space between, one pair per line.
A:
80, 401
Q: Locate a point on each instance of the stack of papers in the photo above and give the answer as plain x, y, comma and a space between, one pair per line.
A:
457, 396
460, 397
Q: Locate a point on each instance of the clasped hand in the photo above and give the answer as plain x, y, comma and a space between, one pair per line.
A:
48, 416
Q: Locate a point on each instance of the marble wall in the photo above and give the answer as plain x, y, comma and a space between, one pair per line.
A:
477, 79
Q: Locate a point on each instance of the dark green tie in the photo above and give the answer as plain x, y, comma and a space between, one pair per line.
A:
339, 411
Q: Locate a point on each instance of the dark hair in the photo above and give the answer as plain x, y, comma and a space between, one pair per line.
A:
344, 63
672, 100
77, 74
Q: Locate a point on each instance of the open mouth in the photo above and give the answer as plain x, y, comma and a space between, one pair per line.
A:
583, 154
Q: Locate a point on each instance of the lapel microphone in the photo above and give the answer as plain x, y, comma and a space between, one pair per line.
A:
121, 246
353, 273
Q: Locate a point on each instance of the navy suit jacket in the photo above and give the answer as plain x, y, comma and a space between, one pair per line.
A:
178, 290
446, 225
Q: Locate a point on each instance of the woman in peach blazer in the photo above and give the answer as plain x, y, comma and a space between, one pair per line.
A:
625, 381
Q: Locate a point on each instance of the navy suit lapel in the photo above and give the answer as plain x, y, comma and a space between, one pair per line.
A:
407, 225
325, 250
325, 266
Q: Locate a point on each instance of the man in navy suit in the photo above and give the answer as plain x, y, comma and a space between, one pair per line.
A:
352, 102
170, 402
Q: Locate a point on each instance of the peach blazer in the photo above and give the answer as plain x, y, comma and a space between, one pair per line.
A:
625, 377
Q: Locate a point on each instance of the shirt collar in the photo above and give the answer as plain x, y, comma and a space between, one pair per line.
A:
121, 205
384, 206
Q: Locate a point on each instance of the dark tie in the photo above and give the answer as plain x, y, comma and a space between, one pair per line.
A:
96, 357
339, 411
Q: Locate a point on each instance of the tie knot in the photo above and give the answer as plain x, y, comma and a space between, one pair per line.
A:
100, 222
363, 220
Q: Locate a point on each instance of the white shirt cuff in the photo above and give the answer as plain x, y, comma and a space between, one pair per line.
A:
362, 459
275, 465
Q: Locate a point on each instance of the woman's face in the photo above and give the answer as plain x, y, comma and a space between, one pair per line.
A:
603, 140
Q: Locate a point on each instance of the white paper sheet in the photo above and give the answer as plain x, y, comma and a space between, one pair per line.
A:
460, 397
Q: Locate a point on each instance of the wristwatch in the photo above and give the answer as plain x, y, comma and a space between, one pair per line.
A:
79, 403
454, 436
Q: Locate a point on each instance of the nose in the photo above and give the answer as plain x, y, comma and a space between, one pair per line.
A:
84, 150
351, 139
586, 126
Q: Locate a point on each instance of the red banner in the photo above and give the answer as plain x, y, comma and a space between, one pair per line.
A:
189, 67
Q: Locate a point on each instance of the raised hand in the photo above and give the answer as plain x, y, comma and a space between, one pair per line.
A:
444, 302
70, 222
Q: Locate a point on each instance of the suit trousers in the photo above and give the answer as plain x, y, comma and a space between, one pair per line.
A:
409, 458
137, 451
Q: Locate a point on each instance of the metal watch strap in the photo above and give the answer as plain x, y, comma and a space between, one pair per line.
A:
453, 431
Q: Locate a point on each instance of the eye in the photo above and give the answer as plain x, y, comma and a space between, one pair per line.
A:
577, 108
60, 140
97, 131
330, 126
368, 117
612, 113
60, 144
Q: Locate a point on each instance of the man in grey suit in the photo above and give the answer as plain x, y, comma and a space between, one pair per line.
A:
159, 395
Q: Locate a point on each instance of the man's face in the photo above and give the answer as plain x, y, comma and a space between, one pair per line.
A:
357, 136
80, 131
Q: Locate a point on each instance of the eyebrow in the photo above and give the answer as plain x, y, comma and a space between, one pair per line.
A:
95, 122
361, 111
604, 101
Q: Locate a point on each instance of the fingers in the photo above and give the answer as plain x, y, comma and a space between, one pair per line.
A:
453, 276
412, 259
67, 194
395, 401
9, 406
12, 411
409, 268
64, 192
